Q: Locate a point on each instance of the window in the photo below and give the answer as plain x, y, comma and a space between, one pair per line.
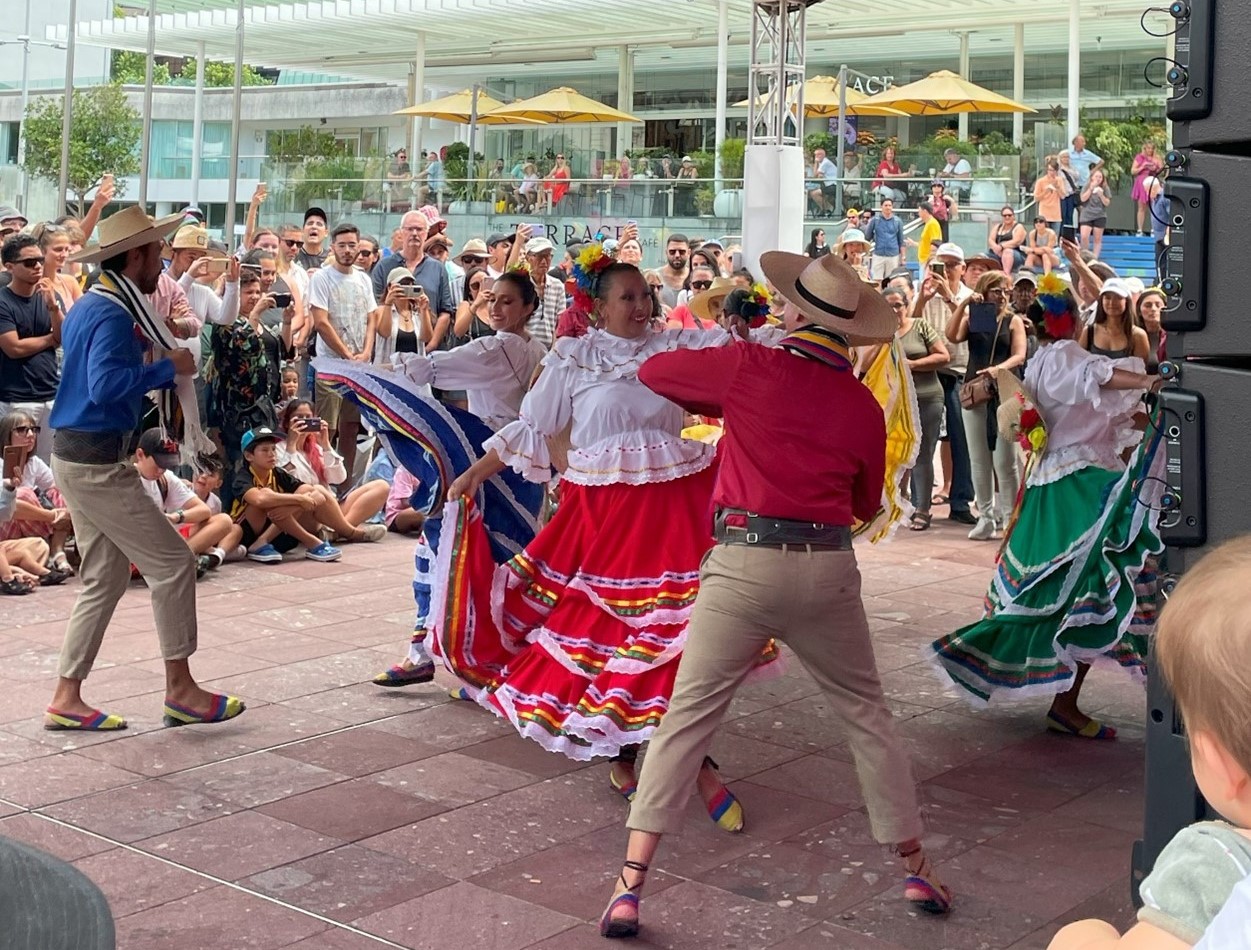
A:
173, 144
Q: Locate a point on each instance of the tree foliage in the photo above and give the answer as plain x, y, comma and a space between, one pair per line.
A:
129, 67
292, 146
104, 137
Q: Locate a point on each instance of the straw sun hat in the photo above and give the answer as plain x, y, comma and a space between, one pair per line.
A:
830, 293
129, 228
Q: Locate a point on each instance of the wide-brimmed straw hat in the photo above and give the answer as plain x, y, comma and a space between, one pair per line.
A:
830, 293
129, 228
702, 303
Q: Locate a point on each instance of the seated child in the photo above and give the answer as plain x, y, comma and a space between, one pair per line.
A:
277, 512
206, 484
206, 533
1203, 649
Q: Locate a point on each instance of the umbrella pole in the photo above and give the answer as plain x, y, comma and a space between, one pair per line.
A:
473, 134
842, 138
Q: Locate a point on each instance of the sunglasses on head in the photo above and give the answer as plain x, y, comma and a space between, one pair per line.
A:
700, 284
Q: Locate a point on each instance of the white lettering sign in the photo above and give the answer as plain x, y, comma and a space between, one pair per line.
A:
872, 85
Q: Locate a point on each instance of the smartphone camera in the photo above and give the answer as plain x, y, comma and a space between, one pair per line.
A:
281, 301
938, 268
312, 424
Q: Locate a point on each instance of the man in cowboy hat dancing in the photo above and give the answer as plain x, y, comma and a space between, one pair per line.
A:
786, 498
103, 379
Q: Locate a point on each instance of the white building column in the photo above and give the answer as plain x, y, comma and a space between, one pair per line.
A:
625, 97
963, 120
723, 55
145, 154
232, 186
197, 124
415, 153
1075, 68
1018, 82
67, 113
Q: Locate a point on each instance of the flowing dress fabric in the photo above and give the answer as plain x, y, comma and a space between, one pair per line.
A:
576, 639
1075, 582
890, 381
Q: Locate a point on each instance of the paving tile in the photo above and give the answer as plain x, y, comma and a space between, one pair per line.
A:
449, 725
353, 810
165, 751
336, 938
58, 778
360, 751
283, 647
255, 779
481, 919
1102, 858
523, 755
135, 882
15, 748
140, 811
363, 702
830, 936
213, 663
453, 779
1113, 904
301, 677
218, 917
66, 843
816, 777
348, 883
239, 845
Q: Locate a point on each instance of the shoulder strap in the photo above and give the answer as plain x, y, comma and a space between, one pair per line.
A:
163, 487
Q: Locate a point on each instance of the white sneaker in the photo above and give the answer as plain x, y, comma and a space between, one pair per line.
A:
374, 532
984, 530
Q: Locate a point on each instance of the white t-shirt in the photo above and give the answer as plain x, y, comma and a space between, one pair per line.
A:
348, 299
961, 167
177, 494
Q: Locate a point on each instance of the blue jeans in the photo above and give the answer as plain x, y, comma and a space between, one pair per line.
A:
961, 471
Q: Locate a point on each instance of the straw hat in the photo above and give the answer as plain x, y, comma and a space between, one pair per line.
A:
128, 229
702, 303
830, 293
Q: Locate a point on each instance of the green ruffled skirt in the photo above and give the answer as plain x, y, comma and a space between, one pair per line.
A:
1074, 584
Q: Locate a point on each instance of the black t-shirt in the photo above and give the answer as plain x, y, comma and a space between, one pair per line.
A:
31, 378
246, 479
311, 261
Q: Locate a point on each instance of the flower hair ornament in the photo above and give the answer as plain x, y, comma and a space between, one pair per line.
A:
588, 267
751, 306
1059, 307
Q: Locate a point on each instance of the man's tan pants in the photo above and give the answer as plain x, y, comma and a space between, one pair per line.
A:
811, 601
116, 524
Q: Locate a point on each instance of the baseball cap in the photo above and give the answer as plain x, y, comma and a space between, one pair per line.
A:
9, 213
538, 245
687, 160
194, 212
159, 447
940, 184
398, 274
190, 236
1135, 285
713, 242
499, 238
950, 250
1116, 285
986, 260
259, 434
1025, 277
316, 212
439, 240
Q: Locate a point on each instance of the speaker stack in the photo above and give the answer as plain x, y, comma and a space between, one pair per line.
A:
1207, 404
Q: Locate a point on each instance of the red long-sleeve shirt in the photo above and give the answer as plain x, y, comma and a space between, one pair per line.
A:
803, 440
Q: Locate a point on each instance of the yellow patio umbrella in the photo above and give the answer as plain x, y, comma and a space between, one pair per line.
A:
821, 100
942, 93
561, 105
459, 108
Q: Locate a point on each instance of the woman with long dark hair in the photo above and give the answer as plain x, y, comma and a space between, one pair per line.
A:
1114, 333
816, 245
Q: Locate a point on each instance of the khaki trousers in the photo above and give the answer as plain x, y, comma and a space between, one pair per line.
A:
811, 601
116, 525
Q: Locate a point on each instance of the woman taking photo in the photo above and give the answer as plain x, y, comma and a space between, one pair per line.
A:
997, 341
1093, 217
1073, 585
1113, 333
473, 314
926, 353
307, 454
817, 246
405, 326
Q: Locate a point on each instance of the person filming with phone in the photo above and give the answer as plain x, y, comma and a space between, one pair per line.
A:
405, 323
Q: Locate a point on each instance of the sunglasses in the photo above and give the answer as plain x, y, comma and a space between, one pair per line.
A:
1008, 214
678, 252
27, 430
365, 253
656, 287
473, 260
700, 284
290, 243
31, 262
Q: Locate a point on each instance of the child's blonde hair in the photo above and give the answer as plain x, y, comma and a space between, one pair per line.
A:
1203, 647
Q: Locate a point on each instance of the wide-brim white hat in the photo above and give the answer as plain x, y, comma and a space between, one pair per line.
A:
129, 228
830, 293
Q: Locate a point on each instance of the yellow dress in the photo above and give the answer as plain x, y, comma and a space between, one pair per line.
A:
890, 381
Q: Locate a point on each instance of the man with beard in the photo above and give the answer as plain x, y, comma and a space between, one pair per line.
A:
673, 275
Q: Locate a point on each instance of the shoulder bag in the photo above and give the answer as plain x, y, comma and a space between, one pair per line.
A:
981, 389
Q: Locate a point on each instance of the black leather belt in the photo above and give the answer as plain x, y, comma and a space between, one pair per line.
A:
90, 448
734, 526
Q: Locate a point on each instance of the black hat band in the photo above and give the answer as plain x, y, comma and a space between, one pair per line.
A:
820, 304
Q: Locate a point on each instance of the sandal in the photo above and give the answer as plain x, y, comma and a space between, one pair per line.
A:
627, 789
13, 587
920, 521
724, 808
923, 888
95, 721
224, 707
54, 578
939, 499
620, 927
59, 562
400, 675
1092, 730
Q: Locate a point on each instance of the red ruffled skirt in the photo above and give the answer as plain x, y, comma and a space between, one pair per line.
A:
576, 640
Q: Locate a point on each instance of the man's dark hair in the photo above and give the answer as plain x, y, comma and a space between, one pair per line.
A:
677, 239
116, 263
926, 207
344, 229
212, 465
248, 277
258, 254
14, 245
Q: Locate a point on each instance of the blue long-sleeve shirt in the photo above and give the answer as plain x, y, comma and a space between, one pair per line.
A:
103, 376
887, 236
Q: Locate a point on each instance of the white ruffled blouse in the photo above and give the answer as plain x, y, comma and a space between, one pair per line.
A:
1086, 424
623, 433
495, 372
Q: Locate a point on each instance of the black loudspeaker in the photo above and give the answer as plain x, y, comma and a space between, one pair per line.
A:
1208, 75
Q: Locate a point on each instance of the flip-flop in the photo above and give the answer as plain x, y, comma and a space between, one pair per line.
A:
95, 721
1092, 730
939, 500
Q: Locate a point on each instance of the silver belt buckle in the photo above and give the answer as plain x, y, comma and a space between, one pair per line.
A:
752, 537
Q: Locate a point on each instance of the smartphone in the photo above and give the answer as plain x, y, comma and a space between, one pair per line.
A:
983, 317
537, 229
938, 268
281, 301
1068, 233
411, 291
487, 283
632, 224
14, 462
216, 266
312, 424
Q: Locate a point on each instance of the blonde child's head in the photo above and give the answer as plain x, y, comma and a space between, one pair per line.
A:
1203, 650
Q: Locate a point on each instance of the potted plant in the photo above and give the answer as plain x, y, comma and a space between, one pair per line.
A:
728, 202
